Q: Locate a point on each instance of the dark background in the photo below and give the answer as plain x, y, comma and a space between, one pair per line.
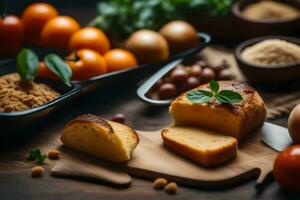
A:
15, 182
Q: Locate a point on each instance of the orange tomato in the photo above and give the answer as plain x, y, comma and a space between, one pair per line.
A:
44, 72
34, 18
287, 169
86, 63
119, 59
90, 38
58, 31
11, 35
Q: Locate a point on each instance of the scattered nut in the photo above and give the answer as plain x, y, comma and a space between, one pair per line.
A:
37, 171
160, 183
53, 154
171, 188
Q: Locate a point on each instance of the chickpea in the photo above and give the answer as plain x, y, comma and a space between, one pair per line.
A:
171, 188
37, 171
159, 183
53, 154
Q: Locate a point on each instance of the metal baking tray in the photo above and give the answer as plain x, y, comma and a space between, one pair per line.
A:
19, 119
145, 88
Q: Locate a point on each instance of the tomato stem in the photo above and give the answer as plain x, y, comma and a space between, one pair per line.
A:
74, 57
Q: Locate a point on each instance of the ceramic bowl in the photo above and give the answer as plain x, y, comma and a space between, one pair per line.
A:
265, 74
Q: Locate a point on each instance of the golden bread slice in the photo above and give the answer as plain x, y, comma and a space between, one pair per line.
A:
235, 120
106, 139
203, 146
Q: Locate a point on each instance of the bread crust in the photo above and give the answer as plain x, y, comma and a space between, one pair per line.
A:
106, 139
93, 119
234, 120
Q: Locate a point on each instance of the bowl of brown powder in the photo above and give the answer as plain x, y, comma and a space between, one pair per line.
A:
271, 59
267, 17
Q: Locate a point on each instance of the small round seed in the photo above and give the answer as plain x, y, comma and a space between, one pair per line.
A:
171, 188
53, 154
37, 171
159, 183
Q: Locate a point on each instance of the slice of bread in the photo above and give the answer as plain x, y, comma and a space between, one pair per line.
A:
204, 147
235, 120
106, 139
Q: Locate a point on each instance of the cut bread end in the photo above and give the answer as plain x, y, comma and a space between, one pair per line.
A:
202, 146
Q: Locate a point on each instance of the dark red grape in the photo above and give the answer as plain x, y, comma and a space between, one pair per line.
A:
192, 82
208, 75
167, 91
196, 71
179, 76
225, 74
120, 117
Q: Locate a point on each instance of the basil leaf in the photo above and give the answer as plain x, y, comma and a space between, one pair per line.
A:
36, 155
27, 64
32, 154
214, 86
59, 67
40, 159
228, 96
199, 96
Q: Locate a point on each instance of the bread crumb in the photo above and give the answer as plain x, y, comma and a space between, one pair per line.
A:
159, 183
53, 154
37, 171
171, 188
17, 95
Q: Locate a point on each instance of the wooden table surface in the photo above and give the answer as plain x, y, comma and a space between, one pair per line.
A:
15, 180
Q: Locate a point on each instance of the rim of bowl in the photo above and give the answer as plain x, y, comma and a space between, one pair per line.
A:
236, 10
253, 41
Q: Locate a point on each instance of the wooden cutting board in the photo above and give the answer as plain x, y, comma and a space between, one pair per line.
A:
151, 160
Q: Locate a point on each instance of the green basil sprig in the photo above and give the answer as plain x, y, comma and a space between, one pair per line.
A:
36, 155
59, 67
223, 96
27, 64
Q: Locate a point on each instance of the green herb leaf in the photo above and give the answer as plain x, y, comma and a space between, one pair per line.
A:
228, 96
27, 64
36, 155
214, 86
40, 159
199, 96
57, 65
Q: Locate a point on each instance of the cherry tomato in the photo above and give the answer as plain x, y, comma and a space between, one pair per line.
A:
287, 169
58, 31
90, 38
86, 63
119, 59
34, 18
44, 72
11, 35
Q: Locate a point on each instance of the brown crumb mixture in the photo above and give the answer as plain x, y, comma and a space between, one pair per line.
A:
17, 95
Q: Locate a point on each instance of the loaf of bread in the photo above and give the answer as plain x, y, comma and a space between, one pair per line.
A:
106, 139
235, 120
203, 146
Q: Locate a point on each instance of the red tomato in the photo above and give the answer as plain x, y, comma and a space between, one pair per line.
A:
44, 72
34, 18
287, 169
86, 63
11, 35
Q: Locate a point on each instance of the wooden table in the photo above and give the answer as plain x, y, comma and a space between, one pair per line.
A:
15, 180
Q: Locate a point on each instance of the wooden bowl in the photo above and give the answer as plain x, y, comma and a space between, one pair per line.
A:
252, 28
263, 74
